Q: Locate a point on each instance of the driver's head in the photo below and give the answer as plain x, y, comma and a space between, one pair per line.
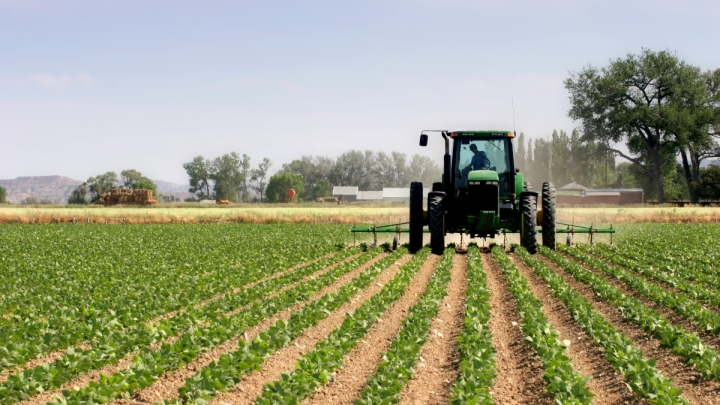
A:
473, 147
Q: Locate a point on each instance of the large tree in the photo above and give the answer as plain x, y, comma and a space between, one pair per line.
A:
198, 170
245, 170
631, 101
101, 184
259, 177
78, 195
279, 184
226, 173
130, 177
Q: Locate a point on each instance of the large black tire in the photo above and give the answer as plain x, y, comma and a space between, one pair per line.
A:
528, 226
527, 186
548, 215
436, 216
416, 216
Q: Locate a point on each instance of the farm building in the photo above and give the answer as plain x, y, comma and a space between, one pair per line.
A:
392, 194
576, 194
370, 196
345, 193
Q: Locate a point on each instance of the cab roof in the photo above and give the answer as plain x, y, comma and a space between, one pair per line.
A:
483, 134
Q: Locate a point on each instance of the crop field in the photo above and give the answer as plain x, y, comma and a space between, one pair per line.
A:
297, 314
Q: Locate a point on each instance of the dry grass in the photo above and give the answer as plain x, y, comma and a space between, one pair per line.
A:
345, 214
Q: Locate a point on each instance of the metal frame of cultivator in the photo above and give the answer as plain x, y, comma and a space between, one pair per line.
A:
398, 229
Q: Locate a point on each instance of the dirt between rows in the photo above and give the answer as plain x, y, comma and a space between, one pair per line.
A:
518, 370
439, 360
283, 361
362, 361
606, 384
707, 337
166, 387
58, 354
697, 389
125, 362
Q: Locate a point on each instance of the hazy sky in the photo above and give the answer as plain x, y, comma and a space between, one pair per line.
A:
92, 86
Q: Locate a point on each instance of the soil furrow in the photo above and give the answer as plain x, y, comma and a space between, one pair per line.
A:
246, 391
697, 389
58, 354
437, 369
168, 384
94, 375
518, 370
362, 361
606, 384
708, 338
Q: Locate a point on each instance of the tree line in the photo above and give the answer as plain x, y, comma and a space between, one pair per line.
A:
96, 186
231, 176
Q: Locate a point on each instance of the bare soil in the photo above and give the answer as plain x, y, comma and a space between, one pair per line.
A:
606, 384
362, 361
518, 371
697, 389
439, 360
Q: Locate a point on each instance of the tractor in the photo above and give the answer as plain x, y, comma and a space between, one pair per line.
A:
482, 194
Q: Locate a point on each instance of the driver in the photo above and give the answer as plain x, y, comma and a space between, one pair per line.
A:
479, 160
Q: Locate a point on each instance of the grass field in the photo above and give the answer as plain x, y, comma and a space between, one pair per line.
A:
310, 213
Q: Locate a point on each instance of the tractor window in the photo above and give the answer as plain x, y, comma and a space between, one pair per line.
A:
483, 154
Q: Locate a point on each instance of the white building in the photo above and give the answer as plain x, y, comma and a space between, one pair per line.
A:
345, 193
394, 194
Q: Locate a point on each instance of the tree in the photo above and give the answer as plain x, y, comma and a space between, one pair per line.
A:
423, 169
129, 177
709, 188
101, 184
279, 184
78, 195
631, 101
3, 195
245, 169
258, 177
145, 184
226, 173
322, 189
198, 170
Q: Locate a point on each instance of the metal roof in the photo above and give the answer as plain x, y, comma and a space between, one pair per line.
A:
395, 192
595, 193
572, 186
345, 190
370, 195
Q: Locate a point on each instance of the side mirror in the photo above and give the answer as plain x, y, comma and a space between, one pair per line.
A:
423, 139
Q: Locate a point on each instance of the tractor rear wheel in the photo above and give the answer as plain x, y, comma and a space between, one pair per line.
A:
436, 214
528, 225
548, 215
416, 216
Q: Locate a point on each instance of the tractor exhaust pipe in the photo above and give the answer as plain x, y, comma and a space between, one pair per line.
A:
449, 190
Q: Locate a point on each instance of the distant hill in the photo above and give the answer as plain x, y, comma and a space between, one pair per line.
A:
177, 190
58, 188
54, 188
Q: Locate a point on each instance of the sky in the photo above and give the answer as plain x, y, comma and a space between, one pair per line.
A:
88, 87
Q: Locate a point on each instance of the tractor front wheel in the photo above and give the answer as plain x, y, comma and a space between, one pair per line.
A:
548, 215
528, 231
416, 216
436, 213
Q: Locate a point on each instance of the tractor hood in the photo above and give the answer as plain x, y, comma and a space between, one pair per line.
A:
483, 175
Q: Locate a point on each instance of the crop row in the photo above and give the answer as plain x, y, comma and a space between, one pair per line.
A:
640, 373
66, 304
394, 372
109, 349
686, 345
477, 356
149, 365
681, 304
564, 383
679, 277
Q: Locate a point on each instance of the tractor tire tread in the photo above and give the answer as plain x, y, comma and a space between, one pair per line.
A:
528, 236
548, 215
436, 212
416, 216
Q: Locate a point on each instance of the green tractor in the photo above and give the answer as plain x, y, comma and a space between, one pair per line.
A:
482, 194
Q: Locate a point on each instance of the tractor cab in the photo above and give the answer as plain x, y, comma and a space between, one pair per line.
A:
483, 159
